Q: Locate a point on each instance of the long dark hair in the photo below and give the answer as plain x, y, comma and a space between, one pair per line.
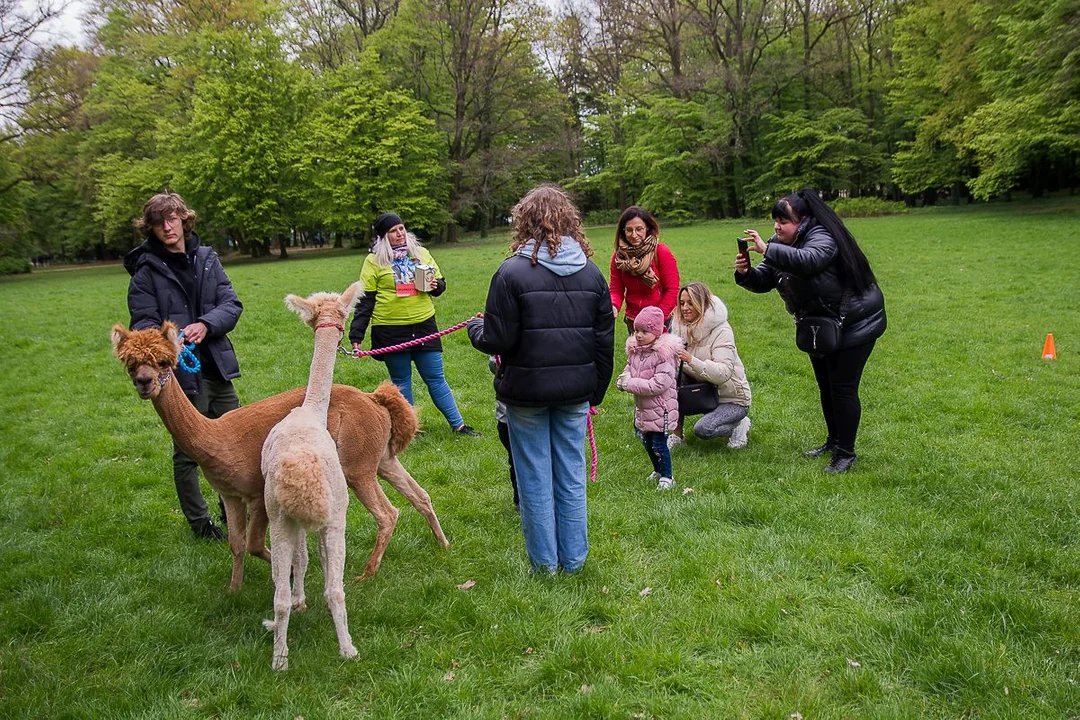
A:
854, 267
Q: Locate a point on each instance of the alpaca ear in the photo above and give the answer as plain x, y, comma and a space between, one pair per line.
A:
352, 295
119, 332
301, 307
170, 332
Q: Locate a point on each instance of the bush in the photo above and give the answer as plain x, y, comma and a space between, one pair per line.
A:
867, 207
14, 265
602, 217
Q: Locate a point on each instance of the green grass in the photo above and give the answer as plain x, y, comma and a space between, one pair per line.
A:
941, 578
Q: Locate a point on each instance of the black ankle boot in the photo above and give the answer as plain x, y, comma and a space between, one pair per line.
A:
828, 447
841, 462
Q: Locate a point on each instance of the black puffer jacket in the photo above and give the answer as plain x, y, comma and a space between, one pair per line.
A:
807, 276
156, 294
555, 332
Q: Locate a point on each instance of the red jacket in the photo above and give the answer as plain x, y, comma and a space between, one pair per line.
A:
664, 295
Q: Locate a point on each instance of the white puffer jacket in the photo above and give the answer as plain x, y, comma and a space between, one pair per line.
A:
715, 358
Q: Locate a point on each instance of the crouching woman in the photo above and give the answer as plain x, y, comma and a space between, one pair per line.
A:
701, 321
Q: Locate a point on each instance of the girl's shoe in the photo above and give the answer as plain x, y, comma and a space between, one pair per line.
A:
740, 434
654, 476
674, 440
665, 483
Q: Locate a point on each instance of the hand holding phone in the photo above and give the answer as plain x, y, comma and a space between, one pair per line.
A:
743, 248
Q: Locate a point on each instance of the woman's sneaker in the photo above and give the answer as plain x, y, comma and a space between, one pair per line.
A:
674, 440
740, 434
665, 483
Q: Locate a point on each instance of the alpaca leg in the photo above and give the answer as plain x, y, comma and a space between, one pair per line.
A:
332, 555
282, 542
392, 471
237, 521
256, 534
299, 571
371, 494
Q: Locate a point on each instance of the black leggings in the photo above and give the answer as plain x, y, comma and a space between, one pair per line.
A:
838, 377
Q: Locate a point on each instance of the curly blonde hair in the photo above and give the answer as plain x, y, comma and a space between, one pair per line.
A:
546, 214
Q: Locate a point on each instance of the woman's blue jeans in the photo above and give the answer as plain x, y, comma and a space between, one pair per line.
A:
430, 366
548, 445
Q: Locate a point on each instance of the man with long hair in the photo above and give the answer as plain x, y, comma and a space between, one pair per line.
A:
175, 277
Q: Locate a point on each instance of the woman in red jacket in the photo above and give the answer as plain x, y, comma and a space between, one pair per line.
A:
643, 271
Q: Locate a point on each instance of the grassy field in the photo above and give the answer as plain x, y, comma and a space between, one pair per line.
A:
941, 578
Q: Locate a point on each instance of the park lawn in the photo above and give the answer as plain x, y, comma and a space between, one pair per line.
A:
940, 578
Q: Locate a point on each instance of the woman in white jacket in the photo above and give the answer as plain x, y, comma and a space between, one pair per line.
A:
701, 320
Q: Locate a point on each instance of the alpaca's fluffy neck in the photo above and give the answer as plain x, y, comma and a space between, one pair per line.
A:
193, 432
321, 375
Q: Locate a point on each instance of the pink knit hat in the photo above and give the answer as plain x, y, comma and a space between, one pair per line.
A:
651, 320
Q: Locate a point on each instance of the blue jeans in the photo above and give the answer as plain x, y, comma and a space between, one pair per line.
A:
548, 445
656, 445
429, 365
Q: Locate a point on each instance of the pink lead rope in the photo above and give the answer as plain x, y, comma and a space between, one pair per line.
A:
592, 443
404, 345
420, 341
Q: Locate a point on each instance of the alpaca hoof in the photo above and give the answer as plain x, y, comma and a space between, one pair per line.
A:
348, 651
368, 572
299, 606
280, 662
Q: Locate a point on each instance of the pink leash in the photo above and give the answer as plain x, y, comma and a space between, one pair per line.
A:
592, 443
420, 341
404, 345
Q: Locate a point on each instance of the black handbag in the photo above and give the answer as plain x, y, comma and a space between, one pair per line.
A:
818, 334
695, 397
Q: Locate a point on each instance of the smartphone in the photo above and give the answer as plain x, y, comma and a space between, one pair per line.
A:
742, 248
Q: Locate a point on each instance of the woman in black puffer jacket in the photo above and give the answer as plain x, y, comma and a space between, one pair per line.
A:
816, 266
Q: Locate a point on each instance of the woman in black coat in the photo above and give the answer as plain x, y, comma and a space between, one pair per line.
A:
818, 269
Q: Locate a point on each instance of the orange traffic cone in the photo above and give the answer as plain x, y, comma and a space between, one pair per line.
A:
1048, 348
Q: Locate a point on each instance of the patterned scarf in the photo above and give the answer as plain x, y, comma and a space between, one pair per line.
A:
637, 259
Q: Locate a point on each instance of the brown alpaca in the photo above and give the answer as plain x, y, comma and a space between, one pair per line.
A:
370, 429
305, 486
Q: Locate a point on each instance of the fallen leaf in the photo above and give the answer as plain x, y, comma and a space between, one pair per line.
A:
455, 664
1006, 689
594, 629
853, 663
687, 491
604, 590
449, 677
645, 592
466, 585
795, 716
586, 689
528, 651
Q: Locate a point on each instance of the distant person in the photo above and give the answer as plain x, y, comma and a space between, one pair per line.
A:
709, 355
548, 316
818, 269
175, 277
400, 277
652, 363
643, 270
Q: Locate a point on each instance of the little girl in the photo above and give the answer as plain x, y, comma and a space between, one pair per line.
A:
651, 365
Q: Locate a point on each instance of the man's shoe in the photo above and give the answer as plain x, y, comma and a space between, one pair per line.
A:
841, 462
828, 447
207, 530
466, 430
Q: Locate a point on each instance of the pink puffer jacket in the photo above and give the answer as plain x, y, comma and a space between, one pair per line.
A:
650, 376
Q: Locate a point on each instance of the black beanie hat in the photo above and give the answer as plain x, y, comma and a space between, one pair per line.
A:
384, 222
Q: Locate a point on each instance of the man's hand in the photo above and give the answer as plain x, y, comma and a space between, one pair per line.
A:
195, 333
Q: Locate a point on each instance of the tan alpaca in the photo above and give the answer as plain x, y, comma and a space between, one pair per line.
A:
305, 486
370, 429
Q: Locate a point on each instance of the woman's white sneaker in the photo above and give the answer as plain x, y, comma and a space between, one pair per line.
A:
740, 434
